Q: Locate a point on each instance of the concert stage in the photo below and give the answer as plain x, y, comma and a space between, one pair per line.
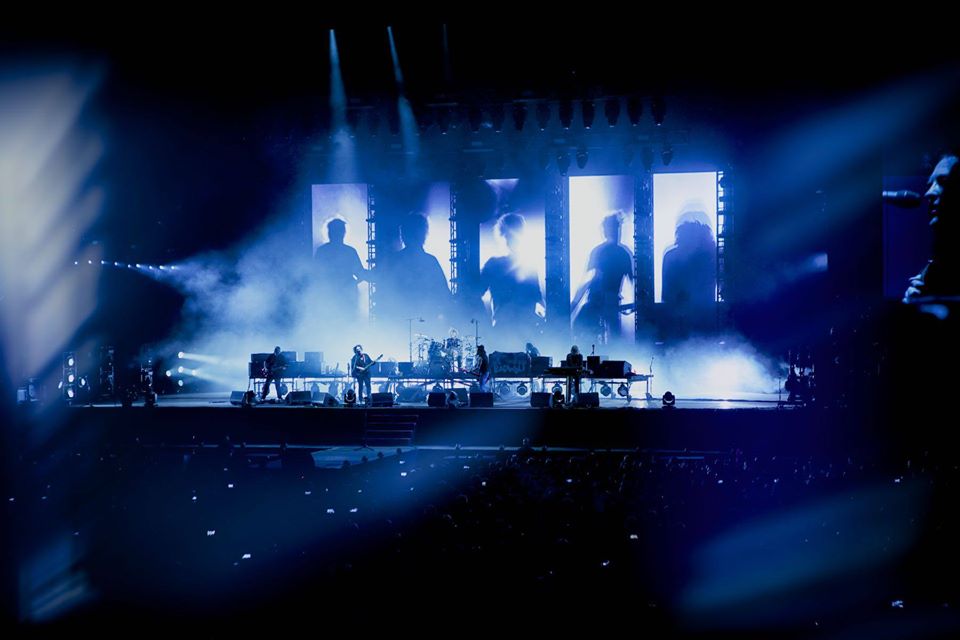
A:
759, 423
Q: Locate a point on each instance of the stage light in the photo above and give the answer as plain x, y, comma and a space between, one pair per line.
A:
353, 121
138, 266
544, 158
543, 115
582, 157
83, 381
89, 261
623, 390
658, 109
438, 388
443, 120
76, 262
179, 369
563, 162
453, 401
667, 154
634, 110
565, 113
588, 112
519, 116
179, 383
522, 389
647, 159
503, 389
556, 400
71, 361
669, 400
474, 117
393, 121
180, 354
350, 397
556, 388
612, 111
71, 378
605, 390
497, 116
116, 264
70, 393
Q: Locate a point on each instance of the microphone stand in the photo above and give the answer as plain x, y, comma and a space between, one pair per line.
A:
410, 337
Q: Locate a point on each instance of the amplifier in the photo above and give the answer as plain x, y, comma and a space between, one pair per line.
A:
506, 364
613, 369
593, 362
256, 364
540, 364
384, 369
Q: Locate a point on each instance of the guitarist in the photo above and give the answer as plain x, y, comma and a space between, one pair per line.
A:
273, 368
482, 371
360, 365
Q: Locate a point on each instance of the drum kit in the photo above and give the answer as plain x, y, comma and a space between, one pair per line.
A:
441, 357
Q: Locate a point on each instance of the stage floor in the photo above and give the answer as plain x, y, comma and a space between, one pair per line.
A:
222, 399
715, 424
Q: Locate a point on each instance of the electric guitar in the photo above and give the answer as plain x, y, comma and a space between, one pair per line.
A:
358, 370
277, 369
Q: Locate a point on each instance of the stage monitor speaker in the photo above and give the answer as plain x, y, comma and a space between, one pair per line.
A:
325, 399
588, 400
236, 398
540, 399
381, 399
481, 399
299, 397
411, 394
437, 399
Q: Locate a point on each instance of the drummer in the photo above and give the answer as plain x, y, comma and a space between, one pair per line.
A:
454, 348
